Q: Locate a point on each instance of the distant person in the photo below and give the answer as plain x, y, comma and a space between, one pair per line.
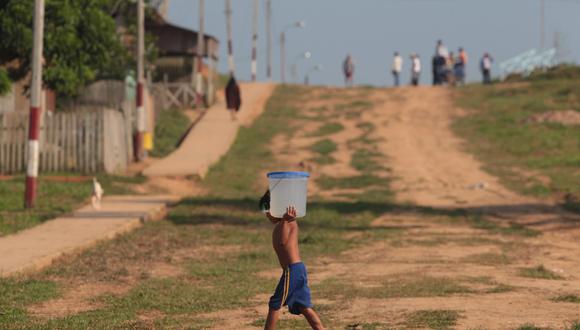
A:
485, 66
348, 69
460, 65
441, 49
415, 69
233, 97
396, 68
292, 289
449, 65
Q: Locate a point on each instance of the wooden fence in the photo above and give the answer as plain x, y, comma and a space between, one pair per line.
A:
87, 142
174, 95
180, 95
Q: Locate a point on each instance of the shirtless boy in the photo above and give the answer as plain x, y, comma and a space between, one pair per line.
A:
292, 290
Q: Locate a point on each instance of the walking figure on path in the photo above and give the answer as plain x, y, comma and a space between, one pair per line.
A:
485, 66
396, 68
348, 68
415, 69
233, 97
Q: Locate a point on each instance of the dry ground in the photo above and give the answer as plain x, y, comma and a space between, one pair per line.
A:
435, 272
445, 265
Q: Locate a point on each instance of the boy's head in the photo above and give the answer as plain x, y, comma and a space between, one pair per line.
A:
265, 202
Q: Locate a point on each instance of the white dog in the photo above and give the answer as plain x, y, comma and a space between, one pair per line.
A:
97, 194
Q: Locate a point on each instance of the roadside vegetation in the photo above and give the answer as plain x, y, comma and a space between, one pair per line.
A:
527, 132
57, 195
170, 127
211, 261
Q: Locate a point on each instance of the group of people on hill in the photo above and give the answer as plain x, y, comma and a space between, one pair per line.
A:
448, 68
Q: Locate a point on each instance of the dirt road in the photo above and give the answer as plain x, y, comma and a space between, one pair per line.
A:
210, 139
213, 135
431, 169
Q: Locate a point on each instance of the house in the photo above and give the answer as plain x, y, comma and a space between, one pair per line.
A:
177, 48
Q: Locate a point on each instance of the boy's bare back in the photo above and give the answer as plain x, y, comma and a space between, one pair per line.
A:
285, 242
292, 289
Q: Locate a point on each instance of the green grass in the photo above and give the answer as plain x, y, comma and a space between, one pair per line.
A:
368, 326
324, 147
357, 105
480, 222
324, 160
433, 319
170, 127
351, 182
530, 326
574, 325
328, 129
16, 293
367, 161
488, 259
55, 197
570, 298
539, 272
410, 285
516, 150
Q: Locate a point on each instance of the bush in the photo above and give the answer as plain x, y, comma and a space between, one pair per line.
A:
5, 82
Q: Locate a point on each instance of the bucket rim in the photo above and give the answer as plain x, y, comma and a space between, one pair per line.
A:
287, 175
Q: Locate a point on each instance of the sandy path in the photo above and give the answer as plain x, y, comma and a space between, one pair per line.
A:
213, 136
431, 169
426, 156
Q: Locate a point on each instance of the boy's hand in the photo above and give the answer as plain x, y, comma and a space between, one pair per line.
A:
290, 214
272, 219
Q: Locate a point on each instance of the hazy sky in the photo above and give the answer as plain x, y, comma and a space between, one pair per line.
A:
371, 30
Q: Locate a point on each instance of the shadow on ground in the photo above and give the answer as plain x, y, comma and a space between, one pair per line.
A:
245, 212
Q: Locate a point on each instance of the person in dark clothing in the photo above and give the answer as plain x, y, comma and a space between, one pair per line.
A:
348, 69
434, 70
233, 97
441, 70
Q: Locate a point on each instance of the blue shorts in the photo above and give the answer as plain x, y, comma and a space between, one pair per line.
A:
292, 290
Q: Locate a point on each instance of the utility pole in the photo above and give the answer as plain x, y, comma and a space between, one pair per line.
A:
283, 57
299, 24
200, 49
269, 38
35, 106
255, 40
231, 63
542, 23
138, 147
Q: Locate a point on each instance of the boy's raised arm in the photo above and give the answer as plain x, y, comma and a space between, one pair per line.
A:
289, 216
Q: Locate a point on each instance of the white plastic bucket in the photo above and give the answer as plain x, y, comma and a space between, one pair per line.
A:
288, 189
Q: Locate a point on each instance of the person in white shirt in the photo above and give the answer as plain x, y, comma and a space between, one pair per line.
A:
441, 50
415, 69
485, 65
397, 67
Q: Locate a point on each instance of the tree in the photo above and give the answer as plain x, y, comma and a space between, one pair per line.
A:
80, 42
5, 83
